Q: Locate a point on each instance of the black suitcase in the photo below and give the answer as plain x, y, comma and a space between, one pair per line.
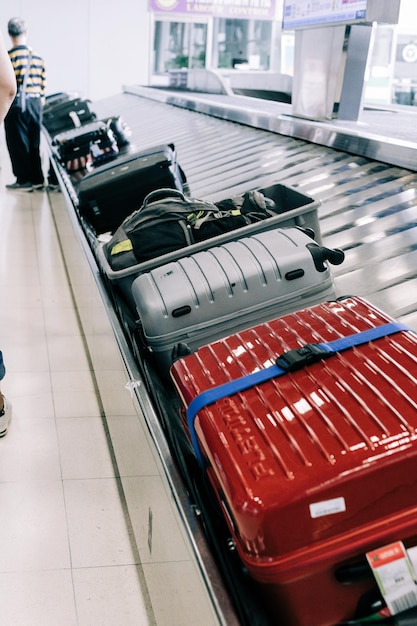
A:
58, 97
108, 194
66, 115
75, 142
95, 138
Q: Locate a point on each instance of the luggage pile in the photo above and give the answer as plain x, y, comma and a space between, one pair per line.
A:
80, 141
291, 413
171, 225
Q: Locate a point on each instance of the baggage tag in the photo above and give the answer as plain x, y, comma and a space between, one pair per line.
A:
395, 576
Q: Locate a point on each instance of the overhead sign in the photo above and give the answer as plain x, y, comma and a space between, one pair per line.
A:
236, 9
304, 13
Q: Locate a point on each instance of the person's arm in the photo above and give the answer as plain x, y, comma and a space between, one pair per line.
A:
7, 81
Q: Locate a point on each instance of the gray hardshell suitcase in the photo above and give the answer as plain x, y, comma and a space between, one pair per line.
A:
200, 298
295, 209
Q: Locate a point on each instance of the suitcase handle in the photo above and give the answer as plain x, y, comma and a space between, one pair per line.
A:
161, 194
321, 254
353, 573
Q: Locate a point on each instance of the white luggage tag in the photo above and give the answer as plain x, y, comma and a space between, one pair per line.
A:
395, 576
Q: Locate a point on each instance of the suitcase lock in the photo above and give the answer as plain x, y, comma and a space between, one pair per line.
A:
300, 357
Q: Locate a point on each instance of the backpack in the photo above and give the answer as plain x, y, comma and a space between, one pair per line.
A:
168, 221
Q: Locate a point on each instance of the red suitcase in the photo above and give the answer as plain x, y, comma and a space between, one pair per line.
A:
312, 467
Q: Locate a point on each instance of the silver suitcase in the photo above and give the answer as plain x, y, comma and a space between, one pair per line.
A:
198, 299
295, 209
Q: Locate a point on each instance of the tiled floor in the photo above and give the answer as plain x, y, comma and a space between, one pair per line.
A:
70, 553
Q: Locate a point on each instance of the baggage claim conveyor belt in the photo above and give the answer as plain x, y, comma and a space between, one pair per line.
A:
363, 173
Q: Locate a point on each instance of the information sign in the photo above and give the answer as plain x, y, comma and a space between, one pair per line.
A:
304, 13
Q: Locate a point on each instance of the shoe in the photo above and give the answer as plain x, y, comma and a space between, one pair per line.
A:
52, 187
38, 187
5, 417
20, 186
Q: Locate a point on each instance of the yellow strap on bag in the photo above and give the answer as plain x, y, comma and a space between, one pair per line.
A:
121, 246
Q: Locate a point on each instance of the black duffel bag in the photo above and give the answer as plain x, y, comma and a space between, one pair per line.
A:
168, 221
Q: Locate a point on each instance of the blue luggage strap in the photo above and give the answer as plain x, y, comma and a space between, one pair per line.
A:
288, 362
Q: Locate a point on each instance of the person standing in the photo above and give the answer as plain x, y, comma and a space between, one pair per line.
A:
23, 123
7, 94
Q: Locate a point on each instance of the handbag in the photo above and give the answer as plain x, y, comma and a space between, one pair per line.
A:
19, 102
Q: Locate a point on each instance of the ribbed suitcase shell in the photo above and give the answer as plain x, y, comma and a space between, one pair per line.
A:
213, 293
338, 437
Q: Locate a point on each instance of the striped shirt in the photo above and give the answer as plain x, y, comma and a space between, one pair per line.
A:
36, 81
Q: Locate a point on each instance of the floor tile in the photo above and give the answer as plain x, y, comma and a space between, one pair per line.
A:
115, 396
39, 598
71, 381
34, 531
53, 274
94, 320
67, 352
103, 351
23, 295
30, 451
20, 272
20, 321
85, 295
26, 384
177, 598
22, 357
62, 321
84, 448
76, 403
153, 519
97, 529
109, 596
28, 406
131, 446
53, 296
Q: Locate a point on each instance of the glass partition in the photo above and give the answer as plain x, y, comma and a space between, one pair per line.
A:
179, 45
242, 44
207, 41
238, 44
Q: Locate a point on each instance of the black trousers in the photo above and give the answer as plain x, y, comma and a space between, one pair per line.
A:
23, 138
